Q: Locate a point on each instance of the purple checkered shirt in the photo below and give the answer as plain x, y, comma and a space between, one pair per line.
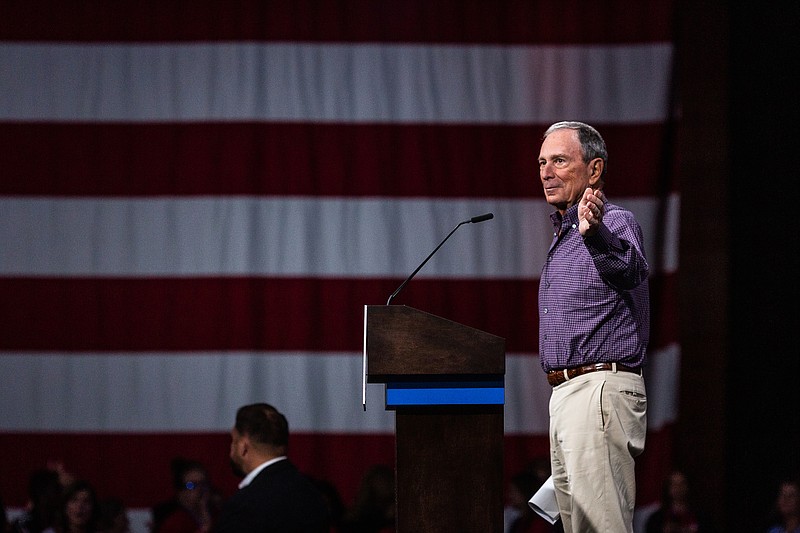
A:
594, 304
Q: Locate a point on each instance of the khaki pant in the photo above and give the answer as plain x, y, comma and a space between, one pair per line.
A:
598, 423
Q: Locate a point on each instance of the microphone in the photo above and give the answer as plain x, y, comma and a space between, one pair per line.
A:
473, 220
481, 218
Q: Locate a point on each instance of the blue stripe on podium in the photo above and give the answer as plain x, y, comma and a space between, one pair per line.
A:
445, 393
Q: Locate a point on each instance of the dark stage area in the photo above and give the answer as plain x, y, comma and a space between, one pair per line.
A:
739, 423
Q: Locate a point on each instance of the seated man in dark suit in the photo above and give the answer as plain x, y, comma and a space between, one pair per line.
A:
273, 496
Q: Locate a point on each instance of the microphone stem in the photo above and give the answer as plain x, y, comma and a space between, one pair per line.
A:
396, 292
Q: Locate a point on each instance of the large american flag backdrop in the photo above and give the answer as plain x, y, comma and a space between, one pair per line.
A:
198, 199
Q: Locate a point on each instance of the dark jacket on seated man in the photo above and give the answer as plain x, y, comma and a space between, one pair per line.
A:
274, 495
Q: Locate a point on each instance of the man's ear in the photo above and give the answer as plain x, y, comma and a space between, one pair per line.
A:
596, 166
244, 445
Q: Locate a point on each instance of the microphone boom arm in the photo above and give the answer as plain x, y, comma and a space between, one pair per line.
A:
473, 220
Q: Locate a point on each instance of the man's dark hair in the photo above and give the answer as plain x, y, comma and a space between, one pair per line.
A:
263, 424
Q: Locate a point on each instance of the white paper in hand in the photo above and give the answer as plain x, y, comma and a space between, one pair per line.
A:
544, 502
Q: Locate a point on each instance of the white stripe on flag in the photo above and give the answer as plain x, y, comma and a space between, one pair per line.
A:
198, 391
398, 83
289, 236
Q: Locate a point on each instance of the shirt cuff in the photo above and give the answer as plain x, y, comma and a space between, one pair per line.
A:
602, 241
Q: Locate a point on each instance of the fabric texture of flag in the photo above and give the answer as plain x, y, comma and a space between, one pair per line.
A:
198, 199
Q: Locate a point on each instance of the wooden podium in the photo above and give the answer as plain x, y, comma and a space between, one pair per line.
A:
445, 382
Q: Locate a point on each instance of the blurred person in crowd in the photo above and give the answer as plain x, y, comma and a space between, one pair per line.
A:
336, 507
113, 517
41, 512
373, 510
786, 515
65, 477
195, 504
677, 512
518, 517
5, 526
78, 512
517, 514
273, 496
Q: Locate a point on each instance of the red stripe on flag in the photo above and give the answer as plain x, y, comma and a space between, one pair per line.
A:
443, 21
464, 161
206, 314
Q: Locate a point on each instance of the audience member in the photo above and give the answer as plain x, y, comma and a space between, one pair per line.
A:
195, 504
5, 526
165, 508
113, 517
78, 512
517, 514
677, 512
374, 508
786, 515
65, 477
518, 517
273, 497
336, 507
44, 491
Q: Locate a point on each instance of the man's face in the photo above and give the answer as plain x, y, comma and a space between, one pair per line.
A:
236, 458
564, 173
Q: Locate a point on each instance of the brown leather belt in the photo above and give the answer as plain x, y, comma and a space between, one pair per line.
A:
557, 377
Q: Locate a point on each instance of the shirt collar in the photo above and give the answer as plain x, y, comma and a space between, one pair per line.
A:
257, 470
569, 218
